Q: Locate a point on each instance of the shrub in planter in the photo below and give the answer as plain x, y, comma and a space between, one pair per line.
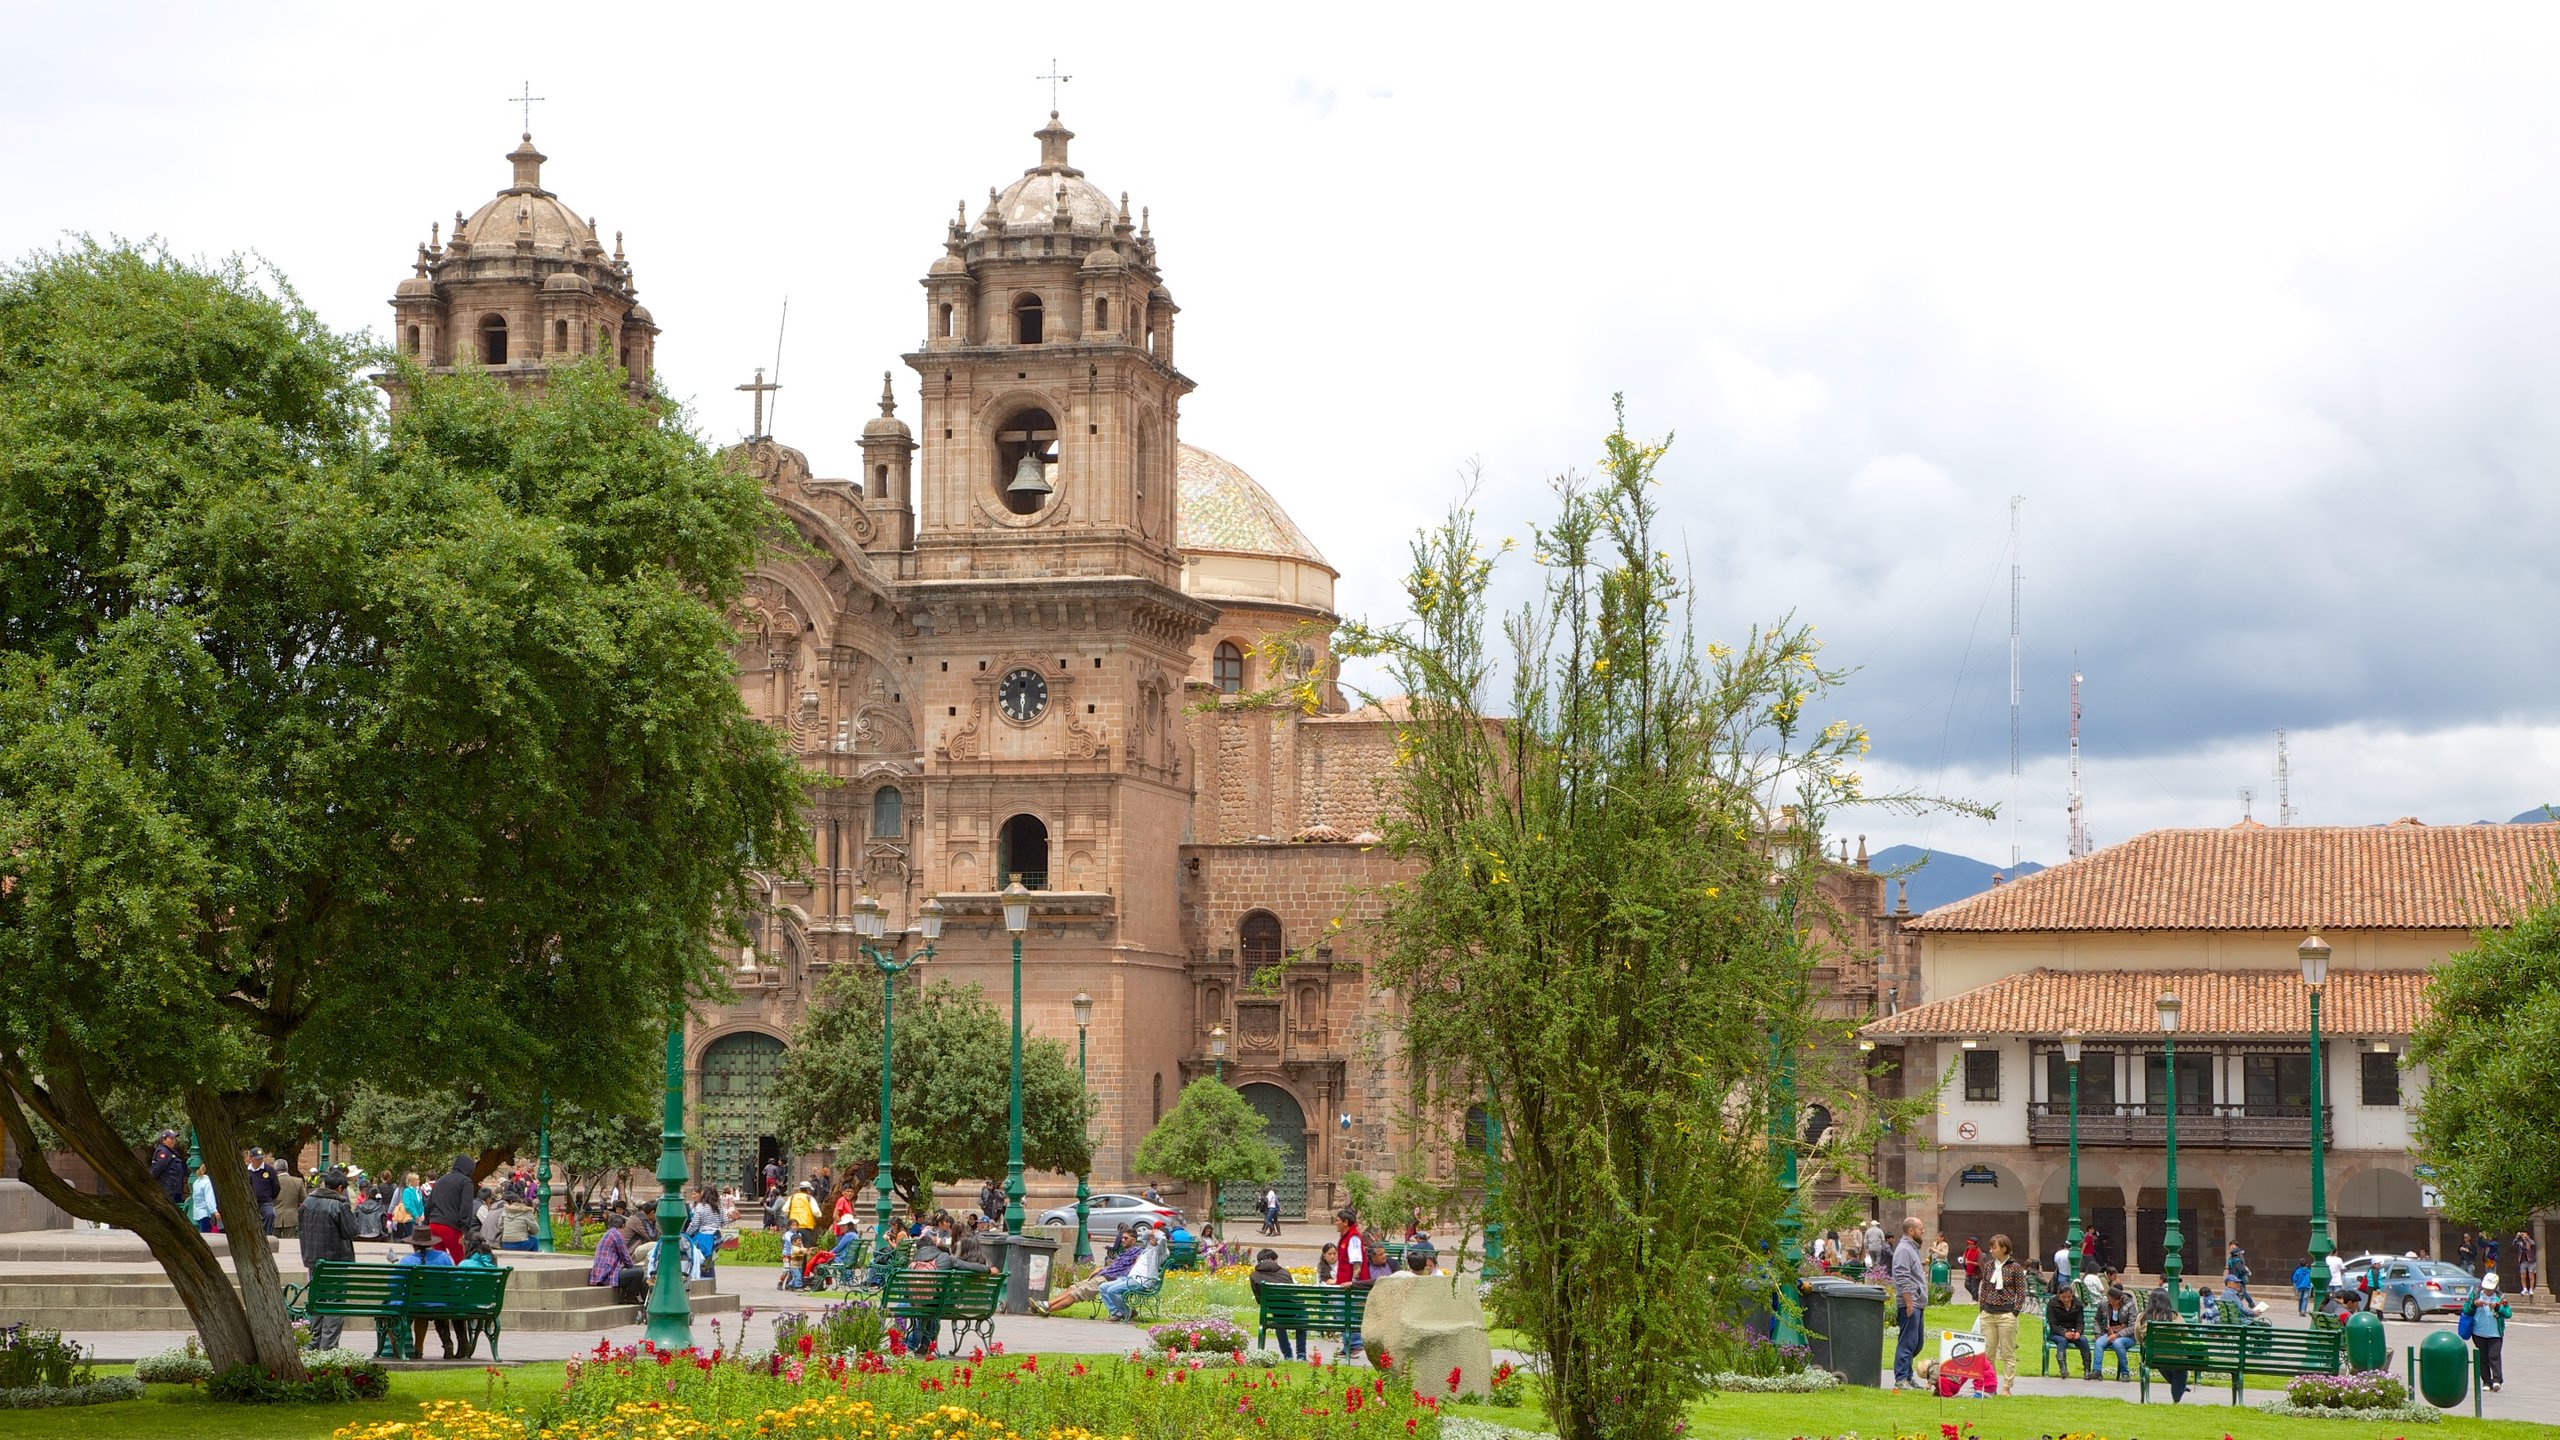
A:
1209, 1333
849, 1327
39, 1370
2358, 1390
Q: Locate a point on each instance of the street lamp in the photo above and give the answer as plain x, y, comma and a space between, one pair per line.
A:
670, 1308
1017, 918
870, 923
2171, 1241
1084, 1205
2315, 973
1218, 1056
2071, 1059
542, 1177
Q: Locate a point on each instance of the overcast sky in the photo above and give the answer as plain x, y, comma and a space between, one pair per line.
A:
2255, 306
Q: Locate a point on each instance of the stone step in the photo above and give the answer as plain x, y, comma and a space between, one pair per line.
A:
546, 1297
174, 1317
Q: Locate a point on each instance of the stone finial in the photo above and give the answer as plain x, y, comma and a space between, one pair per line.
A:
1862, 852
457, 224
1053, 138
888, 397
422, 262
528, 165
435, 234
1059, 216
617, 247
1902, 895
1144, 222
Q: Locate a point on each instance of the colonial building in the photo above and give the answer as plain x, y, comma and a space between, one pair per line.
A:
2215, 918
1021, 636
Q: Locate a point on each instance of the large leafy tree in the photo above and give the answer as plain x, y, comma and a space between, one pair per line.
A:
2491, 1045
1599, 942
1212, 1138
950, 1111
391, 1130
331, 752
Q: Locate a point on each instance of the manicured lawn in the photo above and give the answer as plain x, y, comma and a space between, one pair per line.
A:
1880, 1414
179, 1411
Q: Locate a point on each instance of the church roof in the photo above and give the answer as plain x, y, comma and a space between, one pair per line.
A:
1219, 507
1035, 201
525, 207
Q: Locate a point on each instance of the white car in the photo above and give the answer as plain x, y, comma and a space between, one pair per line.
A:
1108, 1212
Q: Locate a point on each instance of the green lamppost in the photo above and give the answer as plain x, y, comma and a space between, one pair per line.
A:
1782, 1114
1492, 1187
1017, 918
1084, 1194
1217, 1058
670, 1308
2315, 973
195, 1154
542, 1177
2171, 1241
324, 1152
870, 923
2071, 1060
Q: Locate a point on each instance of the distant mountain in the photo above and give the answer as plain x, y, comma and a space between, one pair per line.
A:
1938, 878
2538, 815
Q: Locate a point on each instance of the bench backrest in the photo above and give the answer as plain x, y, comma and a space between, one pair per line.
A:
1294, 1307
477, 1288
348, 1284
2224, 1347
957, 1294
337, 1283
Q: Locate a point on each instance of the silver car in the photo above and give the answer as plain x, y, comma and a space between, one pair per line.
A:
1107, 1212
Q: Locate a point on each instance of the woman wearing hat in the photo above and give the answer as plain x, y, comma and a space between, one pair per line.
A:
425, 1251
2488, 1312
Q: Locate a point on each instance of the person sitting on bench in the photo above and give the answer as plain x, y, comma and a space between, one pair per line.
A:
2066, 1328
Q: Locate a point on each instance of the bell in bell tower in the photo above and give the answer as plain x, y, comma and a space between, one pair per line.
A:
1051, 404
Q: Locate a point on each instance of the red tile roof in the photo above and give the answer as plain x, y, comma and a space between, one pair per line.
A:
2403, 876
2105, 1003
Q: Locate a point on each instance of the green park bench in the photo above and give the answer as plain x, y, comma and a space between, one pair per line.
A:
1182, 1255
964, 1300
2239, 1350
392, 1296
1316, 1309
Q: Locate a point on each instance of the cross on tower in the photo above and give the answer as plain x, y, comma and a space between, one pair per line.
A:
760, 388
1055, 80
528, 98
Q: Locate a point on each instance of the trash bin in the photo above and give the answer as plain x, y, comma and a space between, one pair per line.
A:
1844, 1323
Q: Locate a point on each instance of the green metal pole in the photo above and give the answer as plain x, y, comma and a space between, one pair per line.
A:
1492, 1186
881, 1182
324, 1152
2321, 1244
2171, 1239
1013, 1139
1782, 1134
670, 1308
2074, 1239
1084, 1245
542, 1177
195, 1155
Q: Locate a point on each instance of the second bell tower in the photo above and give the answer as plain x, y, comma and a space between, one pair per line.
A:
1050, 398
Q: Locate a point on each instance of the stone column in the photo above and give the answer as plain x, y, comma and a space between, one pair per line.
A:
2132, 1211
2540, 1264
2435, 1233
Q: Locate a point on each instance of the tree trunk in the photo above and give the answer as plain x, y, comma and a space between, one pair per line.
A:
253, 1261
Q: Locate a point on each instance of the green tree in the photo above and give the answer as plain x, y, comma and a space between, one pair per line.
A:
1211, 1138
2491, 1045
394, 1130
1599, 938
953, 1069
331, 751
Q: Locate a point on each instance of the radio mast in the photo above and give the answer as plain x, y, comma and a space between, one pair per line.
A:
2284, 780
2080, 845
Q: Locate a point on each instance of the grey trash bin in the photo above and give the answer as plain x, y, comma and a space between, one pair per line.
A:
1844, 1324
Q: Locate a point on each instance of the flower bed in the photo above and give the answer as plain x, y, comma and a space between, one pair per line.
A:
1794, 1383
647, 1394
1211, 1334
40, 1370
2357, 1390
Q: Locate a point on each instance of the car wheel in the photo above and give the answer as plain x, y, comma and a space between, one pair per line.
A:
2409, 1310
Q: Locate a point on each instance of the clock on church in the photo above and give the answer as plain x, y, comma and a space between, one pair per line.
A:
1023, 696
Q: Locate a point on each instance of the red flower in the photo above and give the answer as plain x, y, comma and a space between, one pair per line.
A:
808, 1342
666, 1357
1453, 1379
1352, 1399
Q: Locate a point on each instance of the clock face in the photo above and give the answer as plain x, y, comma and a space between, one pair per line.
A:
1024, 694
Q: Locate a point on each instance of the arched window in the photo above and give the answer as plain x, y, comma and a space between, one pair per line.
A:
1226, 667
947, 321
560, 336
1022, 848
1258, 941
880, 483
412, 346
1101, 312
1026, 436
888, 813
1817, 1123
493, 339
1026, 320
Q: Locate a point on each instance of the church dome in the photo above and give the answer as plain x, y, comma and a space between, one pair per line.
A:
1050, 188
1221, 508
525, 206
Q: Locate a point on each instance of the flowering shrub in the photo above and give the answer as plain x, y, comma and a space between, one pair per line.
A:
2359, 1390
850, 1327
185, 1365
1222, 1336
1507, 1387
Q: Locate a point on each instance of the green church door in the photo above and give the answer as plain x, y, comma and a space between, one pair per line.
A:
732, 1132
1285, 1125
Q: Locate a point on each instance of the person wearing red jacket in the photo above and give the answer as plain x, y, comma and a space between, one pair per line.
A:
1351, 1265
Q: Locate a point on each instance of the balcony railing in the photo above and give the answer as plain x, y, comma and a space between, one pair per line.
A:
2226, 1127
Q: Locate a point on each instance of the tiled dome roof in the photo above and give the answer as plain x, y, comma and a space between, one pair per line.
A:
1222, 508
526, 206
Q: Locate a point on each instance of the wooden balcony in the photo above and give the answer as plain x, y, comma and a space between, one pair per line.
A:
2212, 1127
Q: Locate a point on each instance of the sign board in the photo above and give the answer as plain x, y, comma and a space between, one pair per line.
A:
2425, 1172
1968, 1131
1956, 1344
2429, 1198
1978, 1175
1039, 1279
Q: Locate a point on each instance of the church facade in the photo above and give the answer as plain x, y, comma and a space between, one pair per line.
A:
1025, 639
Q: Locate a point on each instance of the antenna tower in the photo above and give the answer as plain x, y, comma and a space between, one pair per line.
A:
2015, 855
2284, 780
2079, 827
2248, 797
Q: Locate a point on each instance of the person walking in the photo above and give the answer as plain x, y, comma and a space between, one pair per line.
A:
2467, 1254
1911, 1301
263, 1188
1972, 1271
408, 1206
800, 1220
326, 1229
2488, 1313
290, 1193
201, 1206
169, 1168
448, 1209
1270, 1209
2302, 1288
2004, 1290
990, 1200
1876, 1251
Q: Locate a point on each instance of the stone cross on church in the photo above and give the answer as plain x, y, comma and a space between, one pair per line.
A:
761, 389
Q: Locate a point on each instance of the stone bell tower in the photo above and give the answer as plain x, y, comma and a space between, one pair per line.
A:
1050, 397
520, 286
